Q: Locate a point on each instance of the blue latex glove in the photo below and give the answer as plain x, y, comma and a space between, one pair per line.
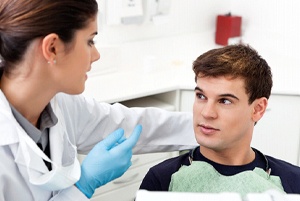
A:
108, 160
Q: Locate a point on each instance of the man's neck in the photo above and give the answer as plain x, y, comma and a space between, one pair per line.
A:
230, 156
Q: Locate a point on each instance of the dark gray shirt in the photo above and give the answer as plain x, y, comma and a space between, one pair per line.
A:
39, 135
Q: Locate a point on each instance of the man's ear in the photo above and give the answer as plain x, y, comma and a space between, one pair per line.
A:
259, 108
49, 47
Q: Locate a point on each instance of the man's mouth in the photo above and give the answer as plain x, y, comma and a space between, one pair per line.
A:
207, 129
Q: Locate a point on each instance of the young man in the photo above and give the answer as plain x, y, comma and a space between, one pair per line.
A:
231, 95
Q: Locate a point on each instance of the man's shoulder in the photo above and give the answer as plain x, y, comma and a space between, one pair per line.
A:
281, 165
289, 174
171, 165
159, 176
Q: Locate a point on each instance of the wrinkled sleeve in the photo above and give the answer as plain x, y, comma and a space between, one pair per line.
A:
69, 194
90, 121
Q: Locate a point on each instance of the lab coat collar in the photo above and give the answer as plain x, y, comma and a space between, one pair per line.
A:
10, 131
9, 135
9, 125
62, 153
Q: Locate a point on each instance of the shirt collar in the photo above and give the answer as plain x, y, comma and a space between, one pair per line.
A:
47, 120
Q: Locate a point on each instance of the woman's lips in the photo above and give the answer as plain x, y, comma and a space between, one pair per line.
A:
207, 130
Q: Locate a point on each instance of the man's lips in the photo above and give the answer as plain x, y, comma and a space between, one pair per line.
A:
207, 129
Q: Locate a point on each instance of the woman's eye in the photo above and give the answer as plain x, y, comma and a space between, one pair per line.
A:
225, 101
91, 42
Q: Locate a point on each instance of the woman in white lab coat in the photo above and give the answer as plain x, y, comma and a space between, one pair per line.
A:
46, 49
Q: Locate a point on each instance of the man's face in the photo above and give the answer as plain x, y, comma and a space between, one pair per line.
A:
223, 118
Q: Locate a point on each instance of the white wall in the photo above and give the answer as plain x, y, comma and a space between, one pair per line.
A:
186, 16
272, 27
272, 24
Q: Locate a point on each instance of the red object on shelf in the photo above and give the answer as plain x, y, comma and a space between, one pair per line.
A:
227, 26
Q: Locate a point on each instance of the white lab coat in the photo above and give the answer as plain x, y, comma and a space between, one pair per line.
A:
86, 122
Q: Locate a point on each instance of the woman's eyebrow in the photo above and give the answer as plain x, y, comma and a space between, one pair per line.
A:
95, 33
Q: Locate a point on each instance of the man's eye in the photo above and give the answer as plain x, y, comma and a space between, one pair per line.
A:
225, 101
200, 96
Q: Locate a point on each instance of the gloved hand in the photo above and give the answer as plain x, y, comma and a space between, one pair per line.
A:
108, 160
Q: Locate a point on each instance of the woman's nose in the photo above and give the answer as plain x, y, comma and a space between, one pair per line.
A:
96, 55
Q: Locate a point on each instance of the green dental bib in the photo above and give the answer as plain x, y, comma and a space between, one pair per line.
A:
202, 177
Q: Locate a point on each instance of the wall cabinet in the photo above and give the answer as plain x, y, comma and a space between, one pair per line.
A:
125, 187
187, 98
278, 132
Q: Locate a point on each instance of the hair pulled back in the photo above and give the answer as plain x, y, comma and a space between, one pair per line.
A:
22, 21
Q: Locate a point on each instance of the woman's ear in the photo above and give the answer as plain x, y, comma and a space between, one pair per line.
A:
49, 47
260, 106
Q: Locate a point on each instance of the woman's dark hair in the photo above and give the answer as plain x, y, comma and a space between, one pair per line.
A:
237, 61
22, 21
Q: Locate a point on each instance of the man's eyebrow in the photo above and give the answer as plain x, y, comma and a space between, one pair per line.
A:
229, 95
197, 88
221, 95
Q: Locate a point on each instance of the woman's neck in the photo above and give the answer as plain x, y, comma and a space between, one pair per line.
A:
28, 95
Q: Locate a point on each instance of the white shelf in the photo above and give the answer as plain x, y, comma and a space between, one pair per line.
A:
149, 101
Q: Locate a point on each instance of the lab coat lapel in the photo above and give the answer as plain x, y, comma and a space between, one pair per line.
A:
62, 151
56, 137
10, 131
36, 163
25, 153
